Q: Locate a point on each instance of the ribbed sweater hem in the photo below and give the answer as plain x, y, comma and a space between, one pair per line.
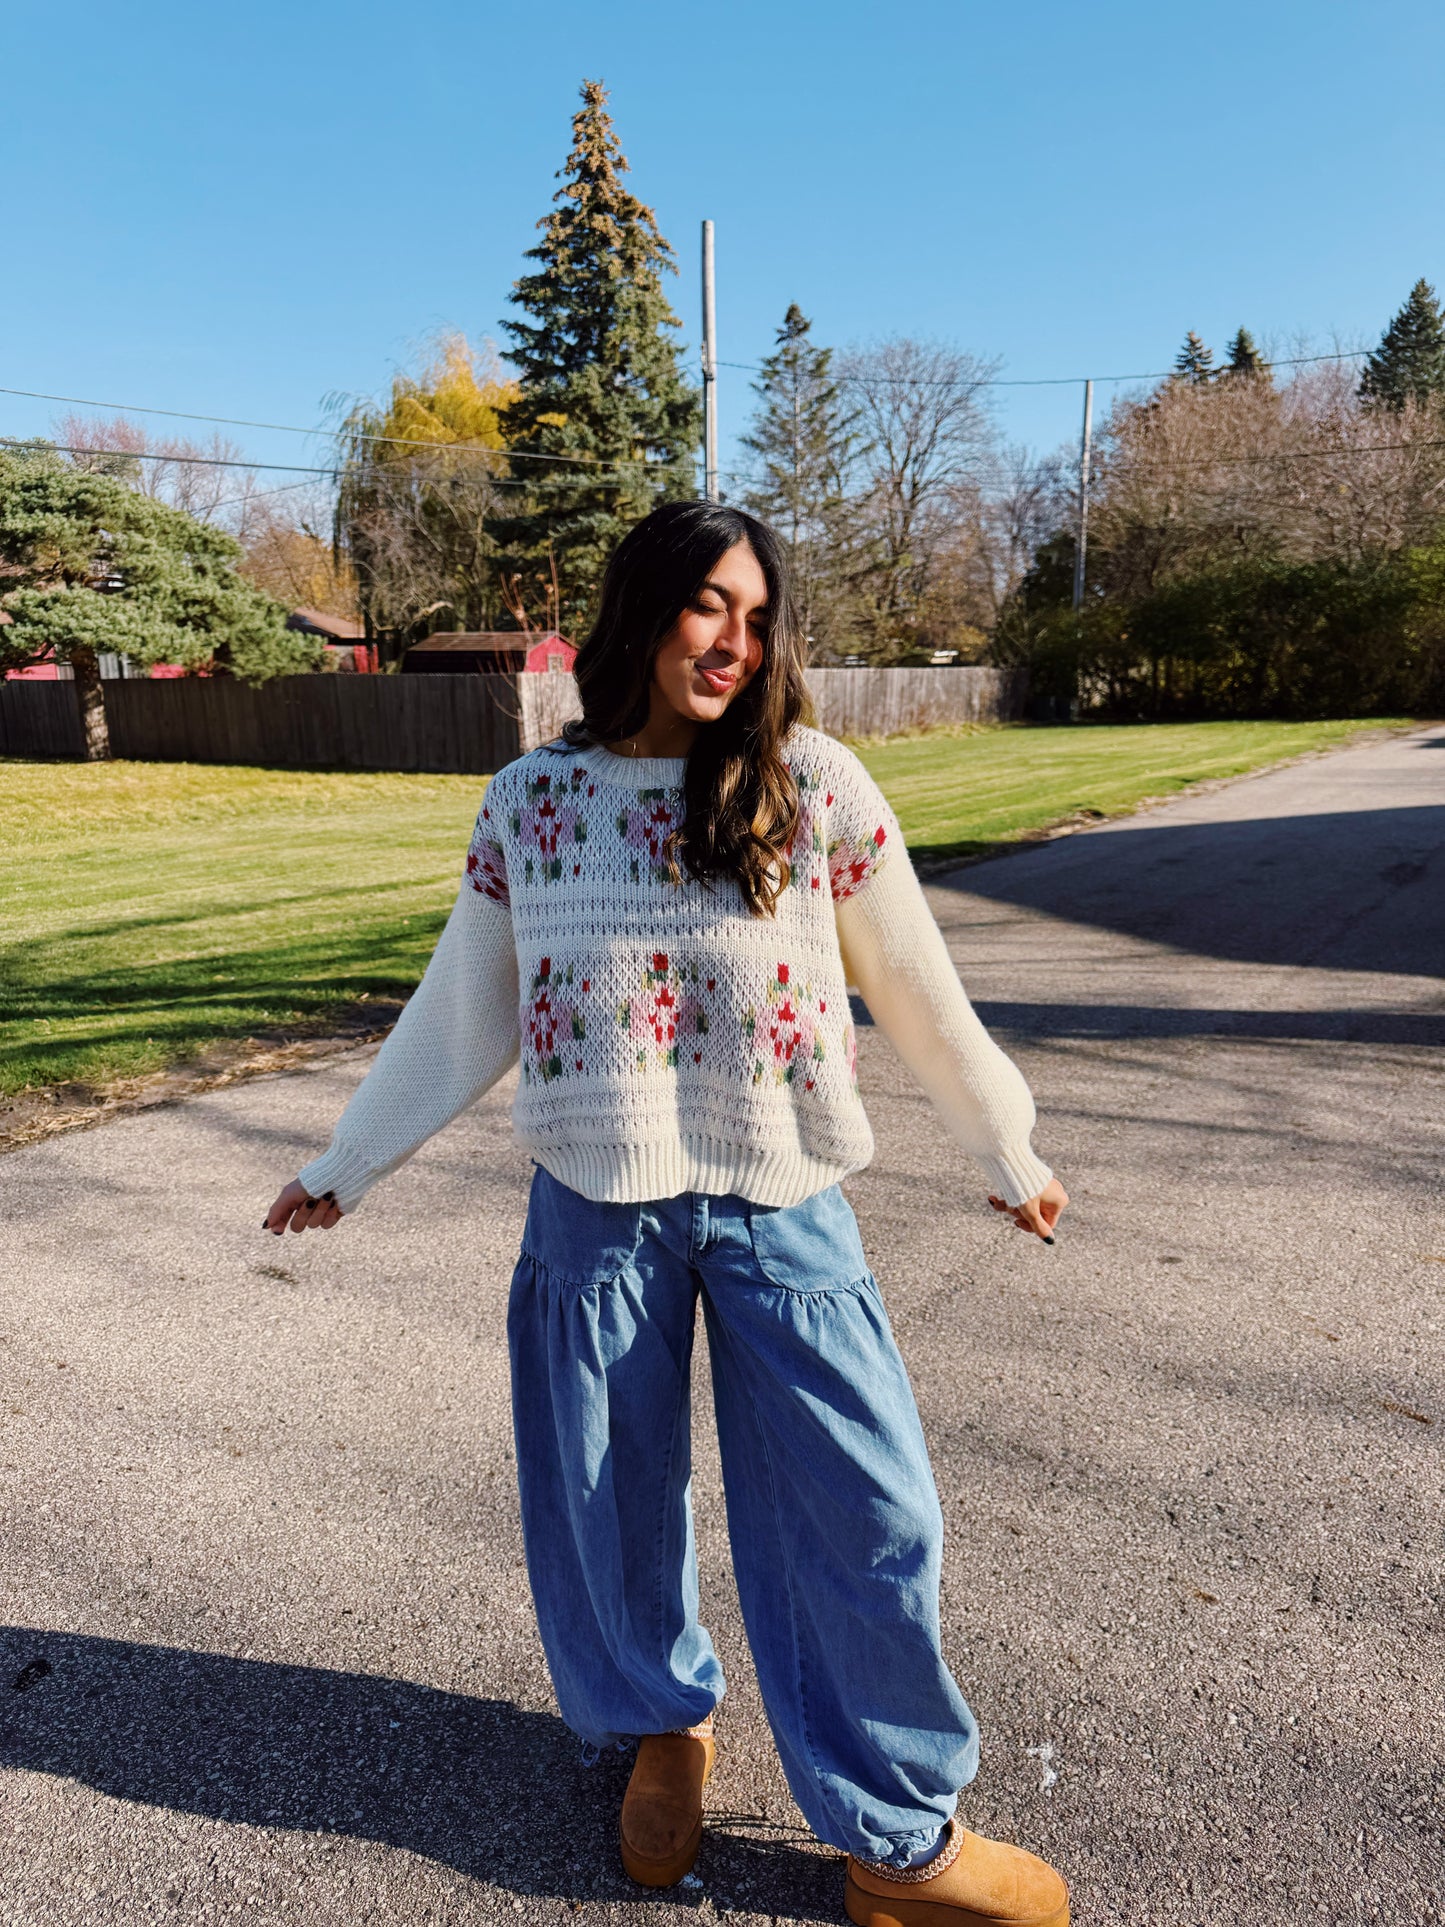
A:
1016, 1174
343, 1172
633, 1174
618, 1174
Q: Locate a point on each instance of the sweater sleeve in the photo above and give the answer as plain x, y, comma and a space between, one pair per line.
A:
894, 952
456, 1037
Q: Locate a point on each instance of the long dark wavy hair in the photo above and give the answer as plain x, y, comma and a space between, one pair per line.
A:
741, 803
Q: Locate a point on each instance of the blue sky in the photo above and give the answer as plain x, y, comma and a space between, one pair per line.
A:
243, 210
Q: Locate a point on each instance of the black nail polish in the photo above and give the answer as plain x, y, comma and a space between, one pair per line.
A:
1048, 1241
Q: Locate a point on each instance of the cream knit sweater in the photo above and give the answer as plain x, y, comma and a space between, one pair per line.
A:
670, 1041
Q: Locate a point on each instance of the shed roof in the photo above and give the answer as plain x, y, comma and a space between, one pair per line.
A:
317, 622
484, 641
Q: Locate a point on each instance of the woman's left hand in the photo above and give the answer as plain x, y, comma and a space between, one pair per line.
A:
1037, 1215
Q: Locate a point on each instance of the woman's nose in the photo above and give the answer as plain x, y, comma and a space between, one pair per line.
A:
735, 638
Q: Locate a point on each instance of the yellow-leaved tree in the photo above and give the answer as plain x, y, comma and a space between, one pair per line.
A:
420, 483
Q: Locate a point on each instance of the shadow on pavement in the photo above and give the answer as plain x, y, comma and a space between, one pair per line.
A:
480, 1785
1126, 1021
1350, 890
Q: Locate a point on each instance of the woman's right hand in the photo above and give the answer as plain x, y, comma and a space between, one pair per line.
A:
301, 1211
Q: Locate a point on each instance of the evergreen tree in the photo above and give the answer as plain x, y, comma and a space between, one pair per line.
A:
1194, 362
598, 374
1244, 357
1409, 364
93, 566
804, 440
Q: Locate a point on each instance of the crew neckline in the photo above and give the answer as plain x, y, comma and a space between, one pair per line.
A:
633, 772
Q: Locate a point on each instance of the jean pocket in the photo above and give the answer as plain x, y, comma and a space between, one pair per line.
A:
584, 1242
812, 1246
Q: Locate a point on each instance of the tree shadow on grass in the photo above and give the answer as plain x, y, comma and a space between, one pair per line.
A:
64, 1016
480, 1785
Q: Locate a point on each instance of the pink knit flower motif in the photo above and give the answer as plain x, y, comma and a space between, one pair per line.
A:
850, 865
784, 1034
487, 865
552, 1026
667, 1015
645, 828
548, 829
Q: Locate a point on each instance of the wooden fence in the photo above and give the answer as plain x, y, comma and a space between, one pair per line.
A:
466, 724
880, 702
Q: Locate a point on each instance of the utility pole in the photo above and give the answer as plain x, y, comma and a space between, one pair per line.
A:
709, 368
1082, 549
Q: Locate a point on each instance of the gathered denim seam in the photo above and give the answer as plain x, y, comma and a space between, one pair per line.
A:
824, 1789
855, 1285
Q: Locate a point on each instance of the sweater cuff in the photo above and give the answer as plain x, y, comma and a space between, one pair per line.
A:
345, 1173
1016, 1175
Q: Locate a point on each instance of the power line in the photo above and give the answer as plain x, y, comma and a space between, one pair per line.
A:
39, 446
604, 461
1124, 463
337, 434
1035, 381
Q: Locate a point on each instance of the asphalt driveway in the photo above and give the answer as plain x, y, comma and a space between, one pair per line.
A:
268, 1651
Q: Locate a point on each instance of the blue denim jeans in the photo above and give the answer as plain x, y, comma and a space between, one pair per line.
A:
832, 1511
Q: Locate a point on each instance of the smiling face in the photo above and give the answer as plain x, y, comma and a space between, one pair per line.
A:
715, 647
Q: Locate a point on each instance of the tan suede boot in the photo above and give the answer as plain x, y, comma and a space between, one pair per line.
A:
972, 1883
661, 1825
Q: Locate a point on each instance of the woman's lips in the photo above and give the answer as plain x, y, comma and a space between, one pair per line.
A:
719, 681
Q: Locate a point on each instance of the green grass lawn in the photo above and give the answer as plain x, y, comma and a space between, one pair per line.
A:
149, 909
965, 795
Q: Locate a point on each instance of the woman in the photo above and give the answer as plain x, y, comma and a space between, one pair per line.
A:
661, 914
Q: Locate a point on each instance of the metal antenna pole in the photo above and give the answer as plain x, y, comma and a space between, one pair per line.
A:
1083, 545
709, 367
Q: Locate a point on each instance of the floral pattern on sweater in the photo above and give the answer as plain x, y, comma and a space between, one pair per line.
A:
852, 862
808, 850
645, 827
784, 1033
667, 1014
487, 862
550, 826
553, 1027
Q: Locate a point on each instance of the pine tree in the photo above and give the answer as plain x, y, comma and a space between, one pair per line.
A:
1244, 357
598, 372
804, 440
90, 565
1409, 364
1194, 362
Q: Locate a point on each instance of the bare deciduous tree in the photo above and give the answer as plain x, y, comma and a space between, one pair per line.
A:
924, 431
1197, 474
199, 478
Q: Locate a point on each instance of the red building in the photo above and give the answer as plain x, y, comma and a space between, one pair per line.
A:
498, 652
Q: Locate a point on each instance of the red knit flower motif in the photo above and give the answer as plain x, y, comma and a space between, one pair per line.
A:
487, 870
850, 865
665, 1009
789, 1027
544, 827
784, 1033
551, 1022
664, 1017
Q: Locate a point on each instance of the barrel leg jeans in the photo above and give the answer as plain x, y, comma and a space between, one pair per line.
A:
832, 1510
